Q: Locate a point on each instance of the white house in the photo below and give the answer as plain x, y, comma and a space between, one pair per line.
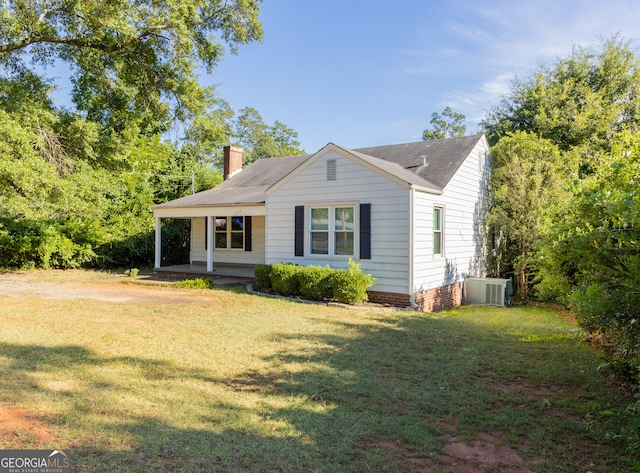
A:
411, 214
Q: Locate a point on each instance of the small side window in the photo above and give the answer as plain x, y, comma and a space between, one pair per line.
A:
438, 231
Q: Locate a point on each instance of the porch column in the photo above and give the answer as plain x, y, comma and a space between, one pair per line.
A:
158, 259
209, 224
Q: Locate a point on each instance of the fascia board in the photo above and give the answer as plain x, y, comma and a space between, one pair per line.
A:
208, 210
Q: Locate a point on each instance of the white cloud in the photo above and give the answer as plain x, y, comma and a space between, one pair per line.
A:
505, 39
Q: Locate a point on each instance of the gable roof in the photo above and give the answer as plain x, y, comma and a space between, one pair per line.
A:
402, 161
387, 168
444, 157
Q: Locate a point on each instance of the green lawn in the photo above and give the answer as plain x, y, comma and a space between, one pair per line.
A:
218, 380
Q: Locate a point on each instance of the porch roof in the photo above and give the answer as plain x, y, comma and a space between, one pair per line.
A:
219, 197
244, 188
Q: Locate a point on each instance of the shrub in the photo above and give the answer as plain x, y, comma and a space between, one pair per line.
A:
263, 275
284, 278
315, 282
350, 285
199, 283
42, 243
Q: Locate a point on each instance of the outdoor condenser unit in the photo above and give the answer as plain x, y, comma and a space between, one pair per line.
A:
487, 291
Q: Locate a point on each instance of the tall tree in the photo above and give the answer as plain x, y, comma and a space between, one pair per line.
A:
577, 102
133, 61
446, 125
260, 140
528, 176
208, 133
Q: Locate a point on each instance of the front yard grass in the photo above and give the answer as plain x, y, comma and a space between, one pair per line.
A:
221, 381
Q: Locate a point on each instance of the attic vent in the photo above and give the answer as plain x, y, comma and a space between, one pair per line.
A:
331, 170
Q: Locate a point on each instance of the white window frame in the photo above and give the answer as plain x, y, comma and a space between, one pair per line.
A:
440, 231
228, 232
331, 231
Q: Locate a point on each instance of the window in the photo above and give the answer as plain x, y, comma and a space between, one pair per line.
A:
438, 246
320, 231
344, 229
332, 231
229, 233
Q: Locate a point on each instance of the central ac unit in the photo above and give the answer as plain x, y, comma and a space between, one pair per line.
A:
487, 291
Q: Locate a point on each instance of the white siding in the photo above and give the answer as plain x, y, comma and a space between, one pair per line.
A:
255, 256
354, 184
464, 200
198, 231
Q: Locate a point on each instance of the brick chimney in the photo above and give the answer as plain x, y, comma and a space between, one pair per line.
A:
232, 161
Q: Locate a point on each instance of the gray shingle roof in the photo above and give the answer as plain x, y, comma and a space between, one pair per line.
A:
248, 187
444, 157
245, 188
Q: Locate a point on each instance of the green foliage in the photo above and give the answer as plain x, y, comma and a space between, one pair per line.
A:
44, 244
260, 140
350, 285
131, 272
590, 252
449, 124
284, 278
77, 184
133, 61
578, 224
262, 273
528, 176
315, 282
577, 102
199, 283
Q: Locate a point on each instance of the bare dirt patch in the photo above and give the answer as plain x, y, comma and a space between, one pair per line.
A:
86, 285
486, 454
17, 427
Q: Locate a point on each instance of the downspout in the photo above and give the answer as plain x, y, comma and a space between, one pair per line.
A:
412, 191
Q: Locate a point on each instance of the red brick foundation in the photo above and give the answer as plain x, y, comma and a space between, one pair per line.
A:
390, 298
440, 298
433, 300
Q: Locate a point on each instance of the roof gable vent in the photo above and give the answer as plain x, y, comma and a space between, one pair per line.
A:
331, 170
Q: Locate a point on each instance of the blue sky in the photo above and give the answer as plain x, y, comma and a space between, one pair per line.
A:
366, 72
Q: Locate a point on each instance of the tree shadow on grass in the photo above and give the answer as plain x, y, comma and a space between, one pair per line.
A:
105, 436
381, 395
400, 388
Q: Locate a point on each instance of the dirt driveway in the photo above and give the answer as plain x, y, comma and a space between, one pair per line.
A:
71, 284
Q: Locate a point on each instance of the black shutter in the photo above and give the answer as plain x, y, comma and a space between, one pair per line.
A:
247, 233
299, 230
206, 233
365, 231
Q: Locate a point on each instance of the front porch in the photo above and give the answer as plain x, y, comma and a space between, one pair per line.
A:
199, 269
